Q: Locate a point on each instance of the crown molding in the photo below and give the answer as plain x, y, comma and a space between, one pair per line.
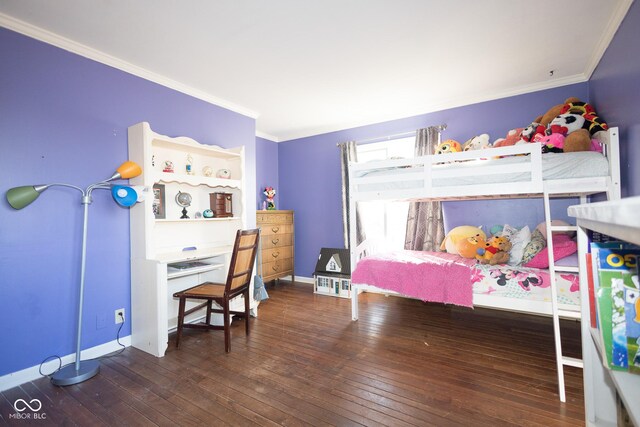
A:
446, 105
88, 52
267, 136
610, 31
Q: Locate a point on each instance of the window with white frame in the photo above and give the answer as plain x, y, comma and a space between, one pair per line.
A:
379, 218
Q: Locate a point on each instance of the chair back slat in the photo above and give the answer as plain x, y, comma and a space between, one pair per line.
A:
242, 260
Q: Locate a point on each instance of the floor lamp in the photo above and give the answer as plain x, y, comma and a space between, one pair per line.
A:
20, 197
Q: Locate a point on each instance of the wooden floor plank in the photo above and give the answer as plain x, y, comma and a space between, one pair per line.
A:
403, 363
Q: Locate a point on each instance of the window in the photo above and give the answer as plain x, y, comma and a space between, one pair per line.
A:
380, 219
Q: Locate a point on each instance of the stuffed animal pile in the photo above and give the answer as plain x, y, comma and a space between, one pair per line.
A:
568, 127
509, 245
471, 242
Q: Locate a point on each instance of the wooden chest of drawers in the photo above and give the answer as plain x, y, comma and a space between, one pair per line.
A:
276, 243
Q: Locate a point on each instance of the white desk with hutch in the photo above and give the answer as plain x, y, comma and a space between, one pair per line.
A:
159, 237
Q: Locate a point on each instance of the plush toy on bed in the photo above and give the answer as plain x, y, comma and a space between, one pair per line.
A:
479, 142
570, 127
448, 146
562, 127
468, 248
460, 233
514, 136
496, 251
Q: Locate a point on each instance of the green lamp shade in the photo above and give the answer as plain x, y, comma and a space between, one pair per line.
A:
19, 197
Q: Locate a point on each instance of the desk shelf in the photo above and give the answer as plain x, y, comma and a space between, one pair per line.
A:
173, 273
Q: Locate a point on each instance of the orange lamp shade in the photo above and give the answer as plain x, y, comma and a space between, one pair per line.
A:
129, 169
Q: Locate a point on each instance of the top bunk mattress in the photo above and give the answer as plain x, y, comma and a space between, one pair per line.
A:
555, 166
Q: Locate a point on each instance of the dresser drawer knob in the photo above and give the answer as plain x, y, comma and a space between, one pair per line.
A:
275, 241
275, 254
275, 229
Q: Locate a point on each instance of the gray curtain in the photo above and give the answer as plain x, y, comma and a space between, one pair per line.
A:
425, 224
348, 153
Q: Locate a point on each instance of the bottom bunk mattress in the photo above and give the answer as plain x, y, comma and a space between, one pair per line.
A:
451, 279
524, 283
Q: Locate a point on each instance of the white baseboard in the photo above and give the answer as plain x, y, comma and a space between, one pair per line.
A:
301, 279
17, 378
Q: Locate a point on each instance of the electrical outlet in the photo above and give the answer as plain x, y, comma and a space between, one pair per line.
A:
119, 315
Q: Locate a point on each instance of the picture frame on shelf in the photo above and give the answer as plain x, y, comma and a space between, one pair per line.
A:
158, 205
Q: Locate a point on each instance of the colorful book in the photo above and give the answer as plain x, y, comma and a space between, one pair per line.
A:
592, 297
632, 315
616, 264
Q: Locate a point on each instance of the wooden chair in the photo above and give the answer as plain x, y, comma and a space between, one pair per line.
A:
238, 279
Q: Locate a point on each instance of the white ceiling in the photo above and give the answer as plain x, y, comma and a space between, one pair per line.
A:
304, 67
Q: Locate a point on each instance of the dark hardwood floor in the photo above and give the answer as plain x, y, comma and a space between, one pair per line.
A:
404, 363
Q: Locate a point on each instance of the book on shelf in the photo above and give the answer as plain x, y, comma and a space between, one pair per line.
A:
593, 316
615, 282
632, 317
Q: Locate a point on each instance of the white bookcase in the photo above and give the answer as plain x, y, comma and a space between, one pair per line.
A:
619, 219
156, 243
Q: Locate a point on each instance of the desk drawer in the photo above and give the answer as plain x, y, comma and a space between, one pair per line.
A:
277, 241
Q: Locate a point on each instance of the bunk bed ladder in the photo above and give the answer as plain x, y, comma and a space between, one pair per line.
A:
561, 361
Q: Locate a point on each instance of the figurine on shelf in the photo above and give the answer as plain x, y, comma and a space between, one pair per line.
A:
223, 173
207, 171
189, 166
270, 192
168, 166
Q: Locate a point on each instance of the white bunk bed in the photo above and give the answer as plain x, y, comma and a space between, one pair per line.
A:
520, 171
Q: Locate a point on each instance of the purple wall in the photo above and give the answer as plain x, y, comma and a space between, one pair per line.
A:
266, 169
614, 89
310, 182
64, 118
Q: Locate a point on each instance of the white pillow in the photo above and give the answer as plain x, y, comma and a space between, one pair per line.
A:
519, 240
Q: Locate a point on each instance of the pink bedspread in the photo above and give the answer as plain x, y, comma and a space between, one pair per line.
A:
429, 276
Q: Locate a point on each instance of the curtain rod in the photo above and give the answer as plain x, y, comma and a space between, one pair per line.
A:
395, 136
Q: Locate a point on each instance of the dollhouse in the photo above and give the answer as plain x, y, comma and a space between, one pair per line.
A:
333, 273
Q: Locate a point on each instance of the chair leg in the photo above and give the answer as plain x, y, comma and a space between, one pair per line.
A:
180, 320
209, 302
227, 329
246, 311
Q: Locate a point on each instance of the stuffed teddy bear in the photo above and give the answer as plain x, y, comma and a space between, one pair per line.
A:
468, 248
459, 233
479, 142
448, 146
554, 111
559, 129
514, 136
575, 138
496, 251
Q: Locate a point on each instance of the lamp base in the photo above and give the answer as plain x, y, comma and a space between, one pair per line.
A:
68, 375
